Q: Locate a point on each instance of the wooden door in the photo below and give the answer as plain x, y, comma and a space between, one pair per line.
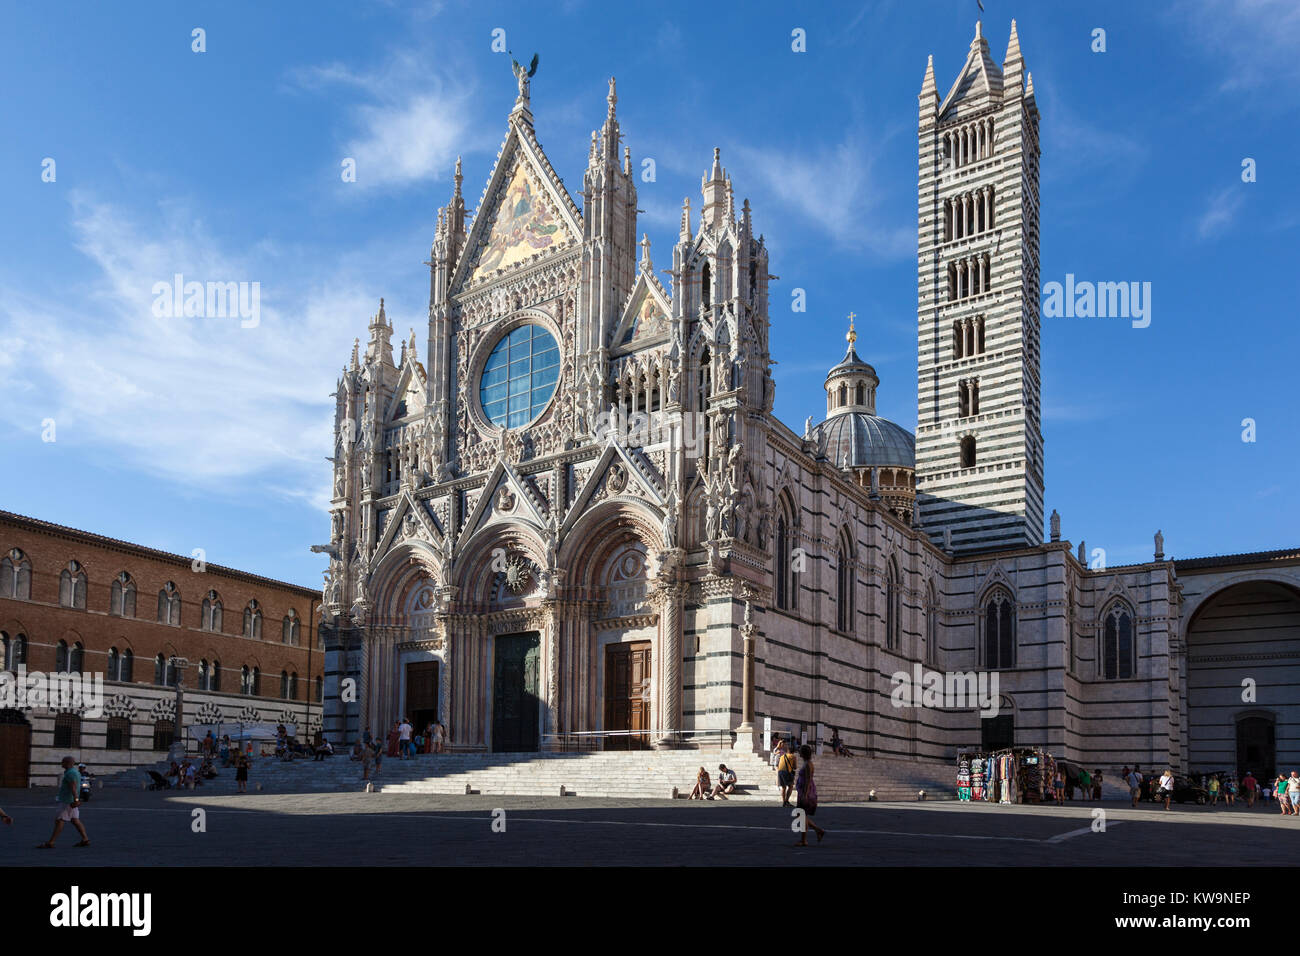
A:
516, 708
421, 694
15, 752
627, 694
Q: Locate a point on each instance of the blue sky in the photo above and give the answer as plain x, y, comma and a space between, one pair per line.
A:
197, 433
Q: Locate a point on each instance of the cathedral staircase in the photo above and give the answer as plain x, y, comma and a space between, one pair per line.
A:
645, 774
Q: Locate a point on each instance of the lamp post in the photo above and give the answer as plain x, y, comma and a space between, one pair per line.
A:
178, 665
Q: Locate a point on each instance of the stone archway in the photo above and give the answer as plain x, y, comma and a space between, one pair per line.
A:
1243, 663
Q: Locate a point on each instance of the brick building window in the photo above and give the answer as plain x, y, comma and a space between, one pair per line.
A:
169, 605
253, 621
16, 576
15, 650
72, 586
211, 617
290, 628
121, 601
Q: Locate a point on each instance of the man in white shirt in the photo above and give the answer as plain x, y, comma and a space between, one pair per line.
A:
1167, 786
404, 736
1134, 781
1292, 790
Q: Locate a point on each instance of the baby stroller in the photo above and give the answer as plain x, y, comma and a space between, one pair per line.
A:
158, 781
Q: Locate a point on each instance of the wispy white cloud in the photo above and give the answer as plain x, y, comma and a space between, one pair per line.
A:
201, 401
1220, 212
1250, 44
409, 123
834, 189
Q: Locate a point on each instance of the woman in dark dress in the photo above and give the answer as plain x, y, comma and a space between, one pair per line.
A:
241, 772
806, 795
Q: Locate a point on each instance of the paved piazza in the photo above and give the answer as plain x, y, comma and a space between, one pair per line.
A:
350, 829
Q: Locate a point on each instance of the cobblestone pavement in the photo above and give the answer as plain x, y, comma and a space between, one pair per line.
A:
129, 828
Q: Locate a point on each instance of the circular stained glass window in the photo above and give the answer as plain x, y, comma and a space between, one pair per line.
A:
520, 376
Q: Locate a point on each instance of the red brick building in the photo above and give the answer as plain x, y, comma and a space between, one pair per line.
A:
72, 601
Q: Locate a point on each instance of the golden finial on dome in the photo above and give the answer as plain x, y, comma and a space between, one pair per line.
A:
852, 336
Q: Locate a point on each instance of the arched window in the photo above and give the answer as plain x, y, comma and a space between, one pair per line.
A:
67, 731
164, 732
72, 586
16, 576
122, 596
284, 684
169, 605
15, 652
164, 671
293, 686
1117, 644
127, 668
61, 657
118, 735
203, 674
253, 620
214, 676
787, 560
77, 658
289, 628
211, 616
706, 286
114, 664
968, 451
257, 681
245, 680
893, 606
844, 617
931, 625
1000, 631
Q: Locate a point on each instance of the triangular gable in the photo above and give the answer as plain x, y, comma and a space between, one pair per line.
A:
407, 505
525, 211
631, 472
524, 504
645, 317
977, 82
410, 391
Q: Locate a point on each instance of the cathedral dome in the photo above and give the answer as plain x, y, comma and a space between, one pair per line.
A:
875, 452
860, 440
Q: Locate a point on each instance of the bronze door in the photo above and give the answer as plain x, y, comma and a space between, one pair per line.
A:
516, 708
627, 695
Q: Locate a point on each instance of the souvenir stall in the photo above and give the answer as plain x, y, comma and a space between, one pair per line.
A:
1013, 775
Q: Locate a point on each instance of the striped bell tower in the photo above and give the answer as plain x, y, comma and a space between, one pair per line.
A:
979, 444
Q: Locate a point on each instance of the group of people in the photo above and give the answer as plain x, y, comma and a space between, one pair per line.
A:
185, 775
706, 790
404, 743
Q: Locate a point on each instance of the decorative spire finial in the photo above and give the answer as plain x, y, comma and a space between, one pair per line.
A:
853, 335
612, 98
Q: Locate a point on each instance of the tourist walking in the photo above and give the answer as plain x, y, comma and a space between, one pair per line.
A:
241, 773
394, 739
1279, 793
1166, 787
439, 736
1293, 792
1134, 781
1230, 785
806, 796
1249, 786
785, 769
1096, 784
1213, 787
1058, 787
70, 797
404, 730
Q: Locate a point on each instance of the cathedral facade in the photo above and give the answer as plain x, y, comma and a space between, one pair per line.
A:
580, 525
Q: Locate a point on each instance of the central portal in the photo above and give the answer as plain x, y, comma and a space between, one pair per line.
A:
516, 709
627, 695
